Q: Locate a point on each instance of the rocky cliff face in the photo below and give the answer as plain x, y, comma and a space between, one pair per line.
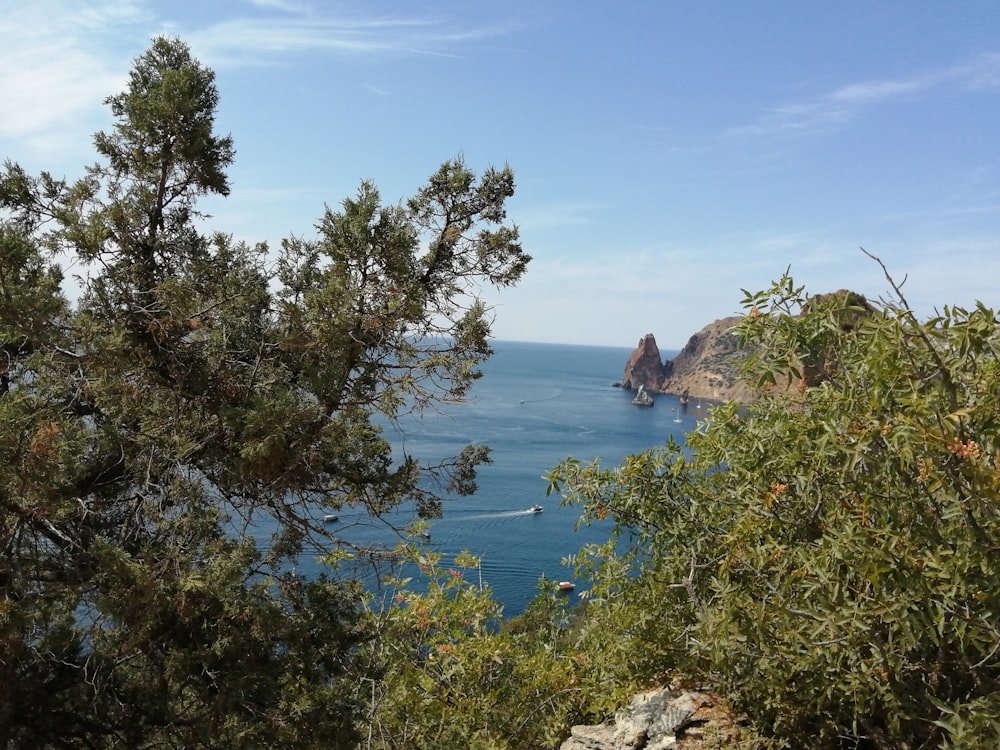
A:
709, 365
645, 367
706, 368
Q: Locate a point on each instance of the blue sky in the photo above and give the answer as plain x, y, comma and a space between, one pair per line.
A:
667, 154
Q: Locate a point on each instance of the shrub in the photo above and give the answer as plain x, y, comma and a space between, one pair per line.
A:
827, 555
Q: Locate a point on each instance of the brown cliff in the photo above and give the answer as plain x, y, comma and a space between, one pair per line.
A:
708, 367
645, 367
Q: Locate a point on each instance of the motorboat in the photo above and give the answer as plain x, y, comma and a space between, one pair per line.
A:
566, 585
331, 518
535, 509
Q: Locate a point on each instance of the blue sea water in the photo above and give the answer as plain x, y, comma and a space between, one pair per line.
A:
535, 405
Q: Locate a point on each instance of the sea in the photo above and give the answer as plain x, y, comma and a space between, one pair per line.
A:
535, 405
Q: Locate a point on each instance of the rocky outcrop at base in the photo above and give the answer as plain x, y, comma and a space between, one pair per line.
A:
642, 398
663, 719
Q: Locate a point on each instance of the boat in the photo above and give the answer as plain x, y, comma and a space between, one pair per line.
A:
331, 518
535, 509
566, 585
642, 398
684, 398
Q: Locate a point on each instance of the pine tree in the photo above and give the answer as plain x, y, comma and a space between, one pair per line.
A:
191, 393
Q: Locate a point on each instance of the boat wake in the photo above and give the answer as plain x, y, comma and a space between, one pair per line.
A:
503, 514
540, 399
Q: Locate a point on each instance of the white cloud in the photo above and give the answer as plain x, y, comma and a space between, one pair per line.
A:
843, 104
58, 62
260, 41
59, 59
873, 92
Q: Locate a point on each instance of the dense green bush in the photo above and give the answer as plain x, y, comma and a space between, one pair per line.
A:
828, 554
455, 675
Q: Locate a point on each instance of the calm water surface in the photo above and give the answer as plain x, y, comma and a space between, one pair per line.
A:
535, 405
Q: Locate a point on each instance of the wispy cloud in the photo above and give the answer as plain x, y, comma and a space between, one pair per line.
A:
289, 6
837, 107
982, 73
557, 215
262, 41
372, 88
58, 59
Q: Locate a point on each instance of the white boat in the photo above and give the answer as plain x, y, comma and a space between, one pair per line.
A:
535, 509
331, 518
566, 585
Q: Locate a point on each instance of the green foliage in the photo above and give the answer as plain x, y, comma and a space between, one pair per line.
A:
827, 554
192, 397
454, 676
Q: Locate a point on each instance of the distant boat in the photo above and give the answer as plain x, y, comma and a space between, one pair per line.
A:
684, 398
535, 509
331, 518
566, 585
642, 398
676, 417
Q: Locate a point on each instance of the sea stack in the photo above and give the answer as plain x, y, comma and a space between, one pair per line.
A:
645, 367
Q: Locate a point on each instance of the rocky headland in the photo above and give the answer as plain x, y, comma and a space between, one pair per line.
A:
708, 367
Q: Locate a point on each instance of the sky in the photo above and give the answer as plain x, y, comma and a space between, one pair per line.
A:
667, 154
